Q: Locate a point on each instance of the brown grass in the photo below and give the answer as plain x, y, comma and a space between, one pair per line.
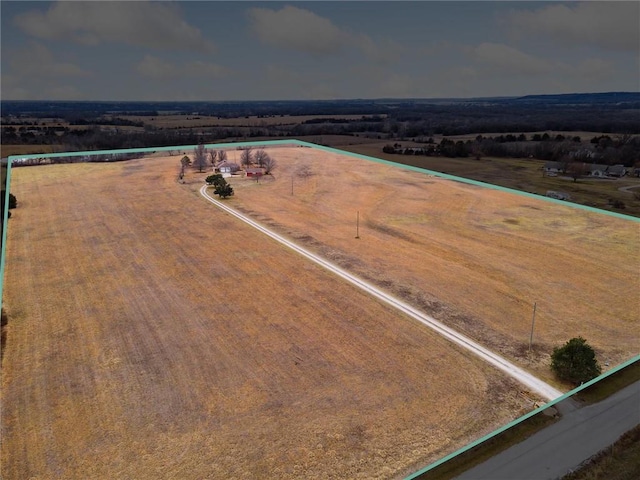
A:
7, 150
520, 174
192, 121
473, 257
152, 336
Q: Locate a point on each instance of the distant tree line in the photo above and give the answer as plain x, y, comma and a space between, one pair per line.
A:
390, 120
607, 150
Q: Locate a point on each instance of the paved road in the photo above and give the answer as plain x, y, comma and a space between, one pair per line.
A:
534, 384
562, 447
628, 188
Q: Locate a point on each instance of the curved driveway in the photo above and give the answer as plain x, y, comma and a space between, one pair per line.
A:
534, 384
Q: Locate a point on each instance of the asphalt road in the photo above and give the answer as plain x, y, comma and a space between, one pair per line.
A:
530, 381
564, 446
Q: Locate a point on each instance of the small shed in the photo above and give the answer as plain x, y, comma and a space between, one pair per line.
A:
254, 172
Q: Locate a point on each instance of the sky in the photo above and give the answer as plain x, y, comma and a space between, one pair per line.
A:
241, 50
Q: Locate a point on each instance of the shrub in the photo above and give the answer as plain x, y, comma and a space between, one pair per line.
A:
575, 361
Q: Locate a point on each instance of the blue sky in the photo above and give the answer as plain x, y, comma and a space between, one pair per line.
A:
183, 51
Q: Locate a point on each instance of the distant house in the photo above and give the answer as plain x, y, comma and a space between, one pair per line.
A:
553, 167
228, 167
558, 195
617, 171
254, 172
606, 171
597, 171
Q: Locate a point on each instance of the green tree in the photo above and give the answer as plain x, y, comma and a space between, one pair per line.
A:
575, 361
223, 189
215, 179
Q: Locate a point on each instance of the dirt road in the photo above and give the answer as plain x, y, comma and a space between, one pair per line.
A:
536, 385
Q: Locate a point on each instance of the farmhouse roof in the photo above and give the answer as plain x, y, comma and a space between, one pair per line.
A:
549, 165
617, 169
228, 164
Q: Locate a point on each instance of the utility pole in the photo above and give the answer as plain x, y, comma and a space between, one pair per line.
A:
533, 321
291, 184
358, 225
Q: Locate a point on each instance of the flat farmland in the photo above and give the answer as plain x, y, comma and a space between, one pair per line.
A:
153, 336
184, 121
473, 257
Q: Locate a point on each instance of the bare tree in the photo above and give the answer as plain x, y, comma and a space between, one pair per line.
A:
260, 157
200, 157
213, 155
577, 170
246, 158
222, 156
269, 165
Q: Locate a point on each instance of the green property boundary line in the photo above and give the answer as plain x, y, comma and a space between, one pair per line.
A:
301, 143
522, 418
5, 217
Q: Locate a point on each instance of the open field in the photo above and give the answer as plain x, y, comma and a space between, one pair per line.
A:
152, 336
519, 174
184, 121
7, 150
473, 257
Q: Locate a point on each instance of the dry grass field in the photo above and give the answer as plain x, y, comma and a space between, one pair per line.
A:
152, 336
7, 150
519, 174
184, 121
473, 257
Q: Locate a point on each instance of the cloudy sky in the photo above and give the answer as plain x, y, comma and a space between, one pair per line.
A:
140, 50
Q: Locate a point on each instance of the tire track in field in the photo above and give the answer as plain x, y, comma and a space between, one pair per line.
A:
530, 381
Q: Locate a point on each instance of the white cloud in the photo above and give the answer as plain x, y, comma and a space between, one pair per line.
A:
155, 67
301, 30
297, 29
608, 25
385, 51
140, 23
37, 60
206, 69
510, 60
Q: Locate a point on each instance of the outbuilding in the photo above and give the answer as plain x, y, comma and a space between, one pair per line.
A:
254, 172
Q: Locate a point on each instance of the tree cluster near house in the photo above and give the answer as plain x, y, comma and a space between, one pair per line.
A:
221, 187
257, 163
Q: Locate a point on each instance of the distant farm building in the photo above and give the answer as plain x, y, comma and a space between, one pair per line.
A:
228, 167
594, 170
254, 172
558, 195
